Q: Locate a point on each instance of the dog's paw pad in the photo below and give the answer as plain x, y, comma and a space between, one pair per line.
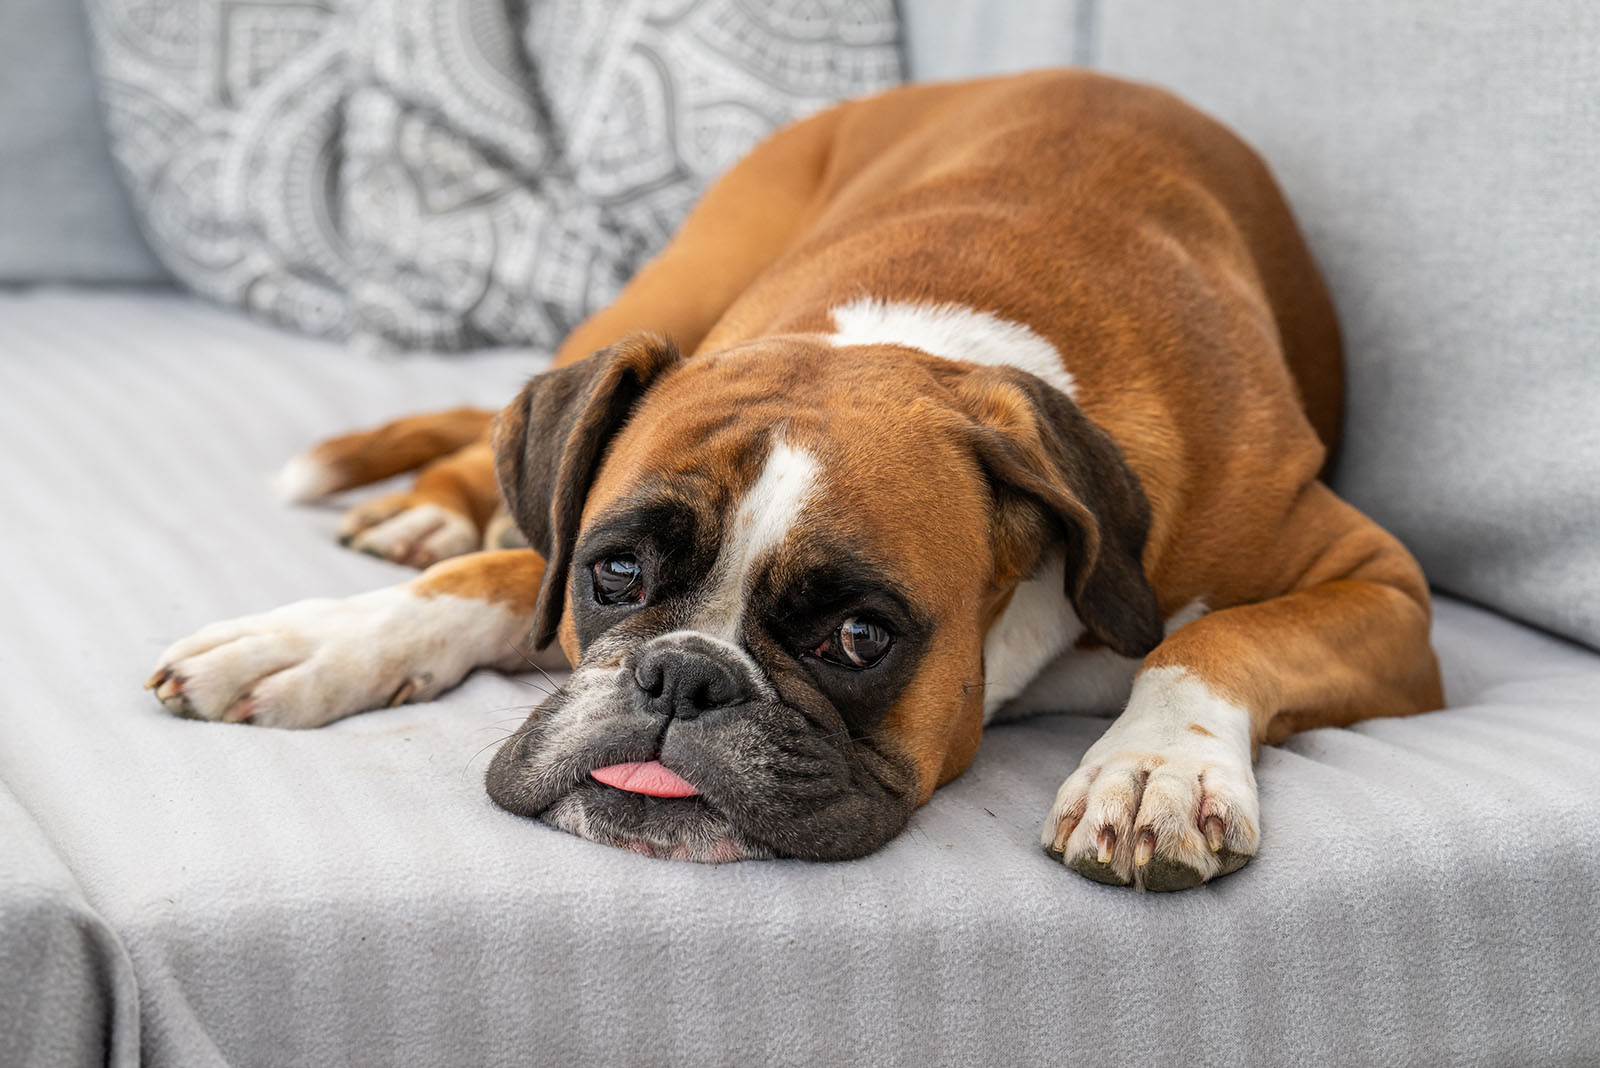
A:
1090, 867
1163, 874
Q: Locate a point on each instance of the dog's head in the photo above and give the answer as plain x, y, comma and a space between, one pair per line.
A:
773, 569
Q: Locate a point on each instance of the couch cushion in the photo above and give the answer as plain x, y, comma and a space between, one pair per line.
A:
1426, 893
1442, 159
67, 989
63, 217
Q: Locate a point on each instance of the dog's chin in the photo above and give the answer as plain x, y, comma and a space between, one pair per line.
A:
675, 828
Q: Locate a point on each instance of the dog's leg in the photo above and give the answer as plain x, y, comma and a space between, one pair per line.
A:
312, 662
447, 508
445, 512
1166, 799
364, 456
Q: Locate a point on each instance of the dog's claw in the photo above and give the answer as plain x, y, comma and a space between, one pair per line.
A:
1107, 841
157, 678
170, 687
404, 693
1214, 833
1068, 824
1145, 849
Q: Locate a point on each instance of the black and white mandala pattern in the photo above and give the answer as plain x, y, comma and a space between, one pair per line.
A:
451, 173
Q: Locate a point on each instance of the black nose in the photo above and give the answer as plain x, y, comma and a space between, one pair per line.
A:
684, 682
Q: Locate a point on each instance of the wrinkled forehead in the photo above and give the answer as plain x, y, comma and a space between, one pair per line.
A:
797, 485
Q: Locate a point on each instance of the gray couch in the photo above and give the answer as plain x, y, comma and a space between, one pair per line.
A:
1428, 892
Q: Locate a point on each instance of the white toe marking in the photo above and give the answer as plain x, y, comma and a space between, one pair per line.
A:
760, 524
953, 332
303, 478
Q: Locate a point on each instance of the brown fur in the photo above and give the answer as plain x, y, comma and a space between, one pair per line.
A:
506, 576
366, 456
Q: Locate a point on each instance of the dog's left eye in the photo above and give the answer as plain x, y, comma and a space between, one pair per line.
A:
618, 580
858, 643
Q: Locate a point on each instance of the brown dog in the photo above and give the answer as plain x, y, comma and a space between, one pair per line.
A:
1018, 381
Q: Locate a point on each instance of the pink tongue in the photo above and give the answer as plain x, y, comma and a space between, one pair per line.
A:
645, 777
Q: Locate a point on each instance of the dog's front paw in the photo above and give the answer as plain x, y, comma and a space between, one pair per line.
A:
1166, 799
312, 662
406, 530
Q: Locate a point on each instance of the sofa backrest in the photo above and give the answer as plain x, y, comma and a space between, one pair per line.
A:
63, 216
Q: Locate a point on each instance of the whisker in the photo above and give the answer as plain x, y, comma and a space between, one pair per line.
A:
532, 685
497, 725
515, 648
468, 766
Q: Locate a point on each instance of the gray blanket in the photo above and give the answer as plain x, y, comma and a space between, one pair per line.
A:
1428, 890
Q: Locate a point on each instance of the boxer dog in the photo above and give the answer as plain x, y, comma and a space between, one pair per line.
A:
935, 395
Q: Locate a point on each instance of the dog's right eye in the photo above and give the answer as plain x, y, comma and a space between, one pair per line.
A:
618, 580
858, 643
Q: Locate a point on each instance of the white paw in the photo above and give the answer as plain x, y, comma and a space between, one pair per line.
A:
408, 533
304, 478
312, 662
1166, 799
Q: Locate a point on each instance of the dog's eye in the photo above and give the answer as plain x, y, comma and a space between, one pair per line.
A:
858, 643
618, 580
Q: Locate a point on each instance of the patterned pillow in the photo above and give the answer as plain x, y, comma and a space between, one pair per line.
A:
451, 173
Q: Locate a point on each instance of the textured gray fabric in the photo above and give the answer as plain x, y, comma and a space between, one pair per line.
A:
1428, 892
67, 990
451, 173
968, 38
63, 216
1442, 158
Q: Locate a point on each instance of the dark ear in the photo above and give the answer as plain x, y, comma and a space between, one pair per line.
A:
548, 445
1055, 474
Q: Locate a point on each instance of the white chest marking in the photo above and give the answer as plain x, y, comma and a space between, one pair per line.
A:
761, 522
952, 332
1035, 627
1030, 665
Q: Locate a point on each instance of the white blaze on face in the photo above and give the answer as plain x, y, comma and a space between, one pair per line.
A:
760, 523
951, 332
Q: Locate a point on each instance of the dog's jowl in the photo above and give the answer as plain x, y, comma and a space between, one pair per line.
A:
936, 395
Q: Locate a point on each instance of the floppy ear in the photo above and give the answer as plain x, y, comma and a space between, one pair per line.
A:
548, 445
1053, 474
